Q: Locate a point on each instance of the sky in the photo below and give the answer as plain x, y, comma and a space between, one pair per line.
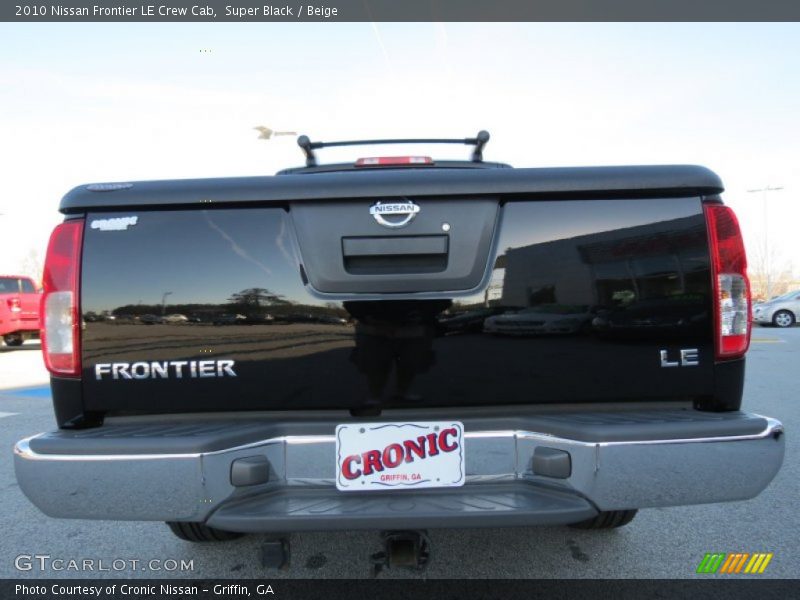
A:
83, 103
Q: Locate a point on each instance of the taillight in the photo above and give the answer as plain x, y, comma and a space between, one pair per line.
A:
732, 306
393, 161
13, 305
60, 314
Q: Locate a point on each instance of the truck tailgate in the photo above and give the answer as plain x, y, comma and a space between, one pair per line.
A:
478, 301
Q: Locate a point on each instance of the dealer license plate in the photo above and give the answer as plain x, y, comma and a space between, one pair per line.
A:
382, 456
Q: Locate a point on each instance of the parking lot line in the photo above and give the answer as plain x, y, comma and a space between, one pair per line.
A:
40, 391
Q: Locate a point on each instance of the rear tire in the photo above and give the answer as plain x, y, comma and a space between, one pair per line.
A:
607, 520
783, 318
13, 339
198, 532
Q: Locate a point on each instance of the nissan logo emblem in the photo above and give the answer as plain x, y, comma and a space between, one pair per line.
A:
385, 213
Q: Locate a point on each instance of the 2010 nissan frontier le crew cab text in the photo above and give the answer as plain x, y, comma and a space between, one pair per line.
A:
397, 343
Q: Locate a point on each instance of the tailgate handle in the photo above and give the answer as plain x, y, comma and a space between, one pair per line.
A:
389, 246
395, 255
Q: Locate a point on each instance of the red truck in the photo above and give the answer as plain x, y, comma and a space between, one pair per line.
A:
19, 309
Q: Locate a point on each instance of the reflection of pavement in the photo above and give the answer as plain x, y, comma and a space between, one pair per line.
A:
22, 366
255, 342
514, 369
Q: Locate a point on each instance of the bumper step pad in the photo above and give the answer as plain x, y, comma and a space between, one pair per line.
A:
502, 504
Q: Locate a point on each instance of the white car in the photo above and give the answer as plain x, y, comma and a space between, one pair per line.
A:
175, 318
783, 311
542, 319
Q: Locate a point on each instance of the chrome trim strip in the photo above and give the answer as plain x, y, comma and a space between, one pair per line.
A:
22, 448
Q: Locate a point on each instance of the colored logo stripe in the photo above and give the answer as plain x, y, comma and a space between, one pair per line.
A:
737, 562
734, 563
710, 563
758, 563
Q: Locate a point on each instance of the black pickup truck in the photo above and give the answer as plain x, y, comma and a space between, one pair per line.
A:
397, 343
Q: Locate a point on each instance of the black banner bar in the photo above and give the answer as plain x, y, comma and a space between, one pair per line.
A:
143, 11
702, 588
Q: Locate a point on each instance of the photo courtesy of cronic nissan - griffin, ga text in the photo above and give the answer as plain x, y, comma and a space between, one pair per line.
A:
397, 343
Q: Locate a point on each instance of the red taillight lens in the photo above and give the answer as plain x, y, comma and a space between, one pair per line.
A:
393, 161
60, 314
732, 306
13, 305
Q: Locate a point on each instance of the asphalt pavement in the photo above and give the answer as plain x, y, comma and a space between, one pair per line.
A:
659, 543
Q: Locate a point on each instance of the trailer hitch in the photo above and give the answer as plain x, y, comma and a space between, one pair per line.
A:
407, 549
276, 554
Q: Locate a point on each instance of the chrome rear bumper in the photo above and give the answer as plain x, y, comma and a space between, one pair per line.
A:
618, 460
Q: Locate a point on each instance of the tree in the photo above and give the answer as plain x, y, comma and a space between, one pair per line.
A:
769, 271
32, 265
256, 297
